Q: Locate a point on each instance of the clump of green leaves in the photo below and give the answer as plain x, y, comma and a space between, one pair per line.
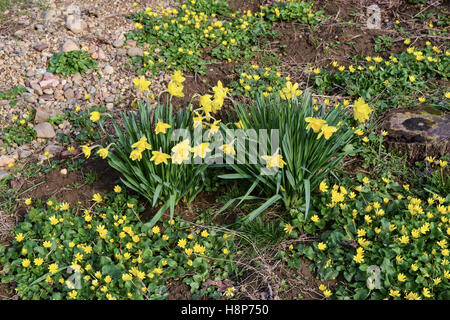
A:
179, 39
77, 61
12, 93
107, 252
389, 82
137, 152
19, 132
298, 11
306, 152
385, 241
257, 81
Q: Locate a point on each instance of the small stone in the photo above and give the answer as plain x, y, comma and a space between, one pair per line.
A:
49, 15
5, 160
135, 51
69, 94
118, 43
25, 154
29, 97
40, 46
63, 172
44, 130
110, 106
3, 174
53, 149
108, 69
70, 45
19, 33
131, 43
102, 55
37, 88
75, 24
48, 81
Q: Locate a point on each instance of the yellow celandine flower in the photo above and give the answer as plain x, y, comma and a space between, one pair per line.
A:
95, 116
394, 293
412, 296
53, 268
127, 277
199, 248
412, 78
321, 246
64, 207
73, 294
359, 132
117, 189
97, 197
188, 251
38, 261
288, 228
204, 233
315, 218
315, 124
141, 84
101, 231
26, 263
162, 127
201, 150
361, 110
182, 243
156, 230
401, 277
323, 187
327, 293
28, 201
327, 131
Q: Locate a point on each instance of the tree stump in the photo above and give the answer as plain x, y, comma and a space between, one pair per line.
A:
418, 131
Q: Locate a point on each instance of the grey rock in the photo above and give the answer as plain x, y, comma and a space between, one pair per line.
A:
48, 81
3, 175
49, 15
29, 97
40, 46
135, 51
5, 160
108, 69
44, 130
53, 149
70, 45
41, 115
19, 33
75, 24
118, 43
69, 94
102, 55
25, 154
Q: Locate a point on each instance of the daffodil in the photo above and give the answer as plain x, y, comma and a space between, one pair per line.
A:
361, 110
159, 157
315, 124
162, 127
141, 84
